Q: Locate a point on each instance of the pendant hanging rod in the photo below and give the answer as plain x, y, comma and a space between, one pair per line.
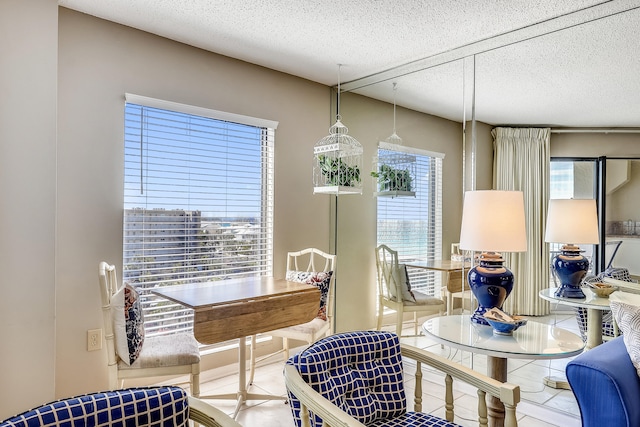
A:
394, 106
338, 106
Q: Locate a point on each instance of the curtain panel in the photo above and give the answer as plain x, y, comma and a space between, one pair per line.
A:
521, 163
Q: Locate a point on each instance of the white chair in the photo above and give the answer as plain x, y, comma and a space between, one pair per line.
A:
394, 291
176, 354
311, 261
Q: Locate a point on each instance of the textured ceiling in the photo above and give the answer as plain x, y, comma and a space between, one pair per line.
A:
561, 63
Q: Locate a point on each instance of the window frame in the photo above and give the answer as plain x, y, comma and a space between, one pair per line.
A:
427, 281
183, 316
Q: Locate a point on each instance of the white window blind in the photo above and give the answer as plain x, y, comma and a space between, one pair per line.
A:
198, 204
413, 225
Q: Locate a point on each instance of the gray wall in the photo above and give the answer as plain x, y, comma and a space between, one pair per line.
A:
99, 61
28, 79
624, 203
64, 75
64, 78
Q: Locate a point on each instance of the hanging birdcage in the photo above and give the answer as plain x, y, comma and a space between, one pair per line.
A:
337, 163
394, 168
394, 171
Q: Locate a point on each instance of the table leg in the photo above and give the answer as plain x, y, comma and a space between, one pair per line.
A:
496, 369
447, 276
242, 395
594, 328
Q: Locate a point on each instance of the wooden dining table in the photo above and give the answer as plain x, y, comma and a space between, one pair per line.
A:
242, 307
448, 267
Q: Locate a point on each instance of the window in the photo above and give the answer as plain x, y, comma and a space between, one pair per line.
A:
198, 201
413, 225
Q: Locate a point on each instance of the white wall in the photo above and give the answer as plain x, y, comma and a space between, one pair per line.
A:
28, 75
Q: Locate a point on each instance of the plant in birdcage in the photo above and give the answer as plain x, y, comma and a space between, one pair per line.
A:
338, 172
392, 179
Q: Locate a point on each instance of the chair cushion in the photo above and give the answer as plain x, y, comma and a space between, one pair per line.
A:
128, 323
303, 329
166, 350
319, 279
423, 299
414, 419
401, 276
359, 372
154, 406
627, 315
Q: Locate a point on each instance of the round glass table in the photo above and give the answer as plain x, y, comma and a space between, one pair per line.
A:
594, 305
534, 340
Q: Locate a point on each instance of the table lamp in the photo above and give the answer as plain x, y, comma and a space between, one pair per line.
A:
492, 222
575, 221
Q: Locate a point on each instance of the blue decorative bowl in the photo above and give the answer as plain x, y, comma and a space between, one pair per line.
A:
505, 328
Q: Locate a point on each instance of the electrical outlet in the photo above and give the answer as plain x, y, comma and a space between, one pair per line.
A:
94, 339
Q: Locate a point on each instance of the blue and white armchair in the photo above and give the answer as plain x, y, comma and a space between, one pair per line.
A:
355, 379
133, 407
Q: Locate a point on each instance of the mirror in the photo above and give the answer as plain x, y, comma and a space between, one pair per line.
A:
623, 214
515, 75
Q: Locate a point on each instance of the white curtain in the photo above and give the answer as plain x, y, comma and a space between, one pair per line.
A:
521, 162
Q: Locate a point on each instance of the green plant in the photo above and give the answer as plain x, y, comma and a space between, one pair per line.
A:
337, 172
391, 179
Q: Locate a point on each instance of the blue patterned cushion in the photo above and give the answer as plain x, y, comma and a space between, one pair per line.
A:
319, 279
128, 323
361, 373
414, 419
152, 407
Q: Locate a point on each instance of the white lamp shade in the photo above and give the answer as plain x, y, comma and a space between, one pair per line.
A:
572, 221
493, 221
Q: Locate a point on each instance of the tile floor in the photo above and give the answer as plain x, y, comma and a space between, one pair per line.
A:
540, 405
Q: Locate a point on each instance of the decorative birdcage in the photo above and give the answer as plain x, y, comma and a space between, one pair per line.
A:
337, 163
394, 168
394, 171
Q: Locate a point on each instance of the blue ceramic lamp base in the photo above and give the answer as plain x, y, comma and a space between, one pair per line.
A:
570, 266
491, 283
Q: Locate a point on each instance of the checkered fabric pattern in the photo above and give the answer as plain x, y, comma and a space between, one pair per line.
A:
617, 273
139, 407
361, 373
607, 317
607, 323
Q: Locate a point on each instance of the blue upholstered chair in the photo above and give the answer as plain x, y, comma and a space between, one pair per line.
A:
606, 386
134, 407
356, 378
